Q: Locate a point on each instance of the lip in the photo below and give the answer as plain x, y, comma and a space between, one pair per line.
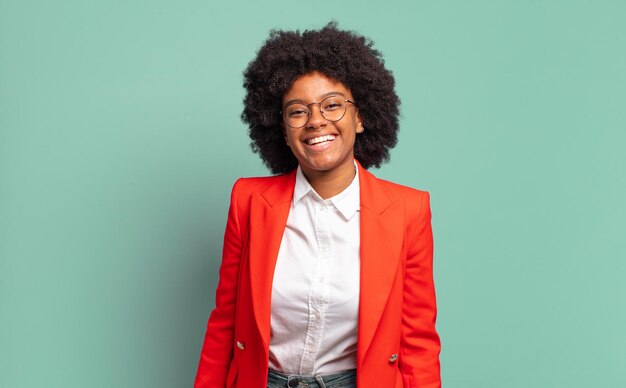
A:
319, 147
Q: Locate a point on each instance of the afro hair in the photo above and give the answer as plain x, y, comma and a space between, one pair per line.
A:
341, 55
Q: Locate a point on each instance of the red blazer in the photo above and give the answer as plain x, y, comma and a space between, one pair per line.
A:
397, 347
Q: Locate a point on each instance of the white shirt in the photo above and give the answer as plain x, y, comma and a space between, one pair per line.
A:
315, 293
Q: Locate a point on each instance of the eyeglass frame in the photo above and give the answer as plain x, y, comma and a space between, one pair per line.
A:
308, 113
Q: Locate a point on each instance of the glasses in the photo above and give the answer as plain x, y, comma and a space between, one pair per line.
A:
332, 108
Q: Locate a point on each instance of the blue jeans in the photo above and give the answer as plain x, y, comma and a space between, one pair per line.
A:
345, 379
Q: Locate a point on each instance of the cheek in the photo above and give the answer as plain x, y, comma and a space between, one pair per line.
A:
291, 140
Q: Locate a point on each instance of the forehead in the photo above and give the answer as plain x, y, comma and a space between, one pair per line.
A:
314, 86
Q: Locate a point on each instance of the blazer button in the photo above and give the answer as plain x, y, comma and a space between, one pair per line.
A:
393, 358
240, 345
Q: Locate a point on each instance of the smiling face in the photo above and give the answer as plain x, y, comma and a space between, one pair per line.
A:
322, 147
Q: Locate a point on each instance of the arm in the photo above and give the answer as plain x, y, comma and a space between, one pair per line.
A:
420, 346
217, 350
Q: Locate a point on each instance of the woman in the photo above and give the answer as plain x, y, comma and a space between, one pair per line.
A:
326, 276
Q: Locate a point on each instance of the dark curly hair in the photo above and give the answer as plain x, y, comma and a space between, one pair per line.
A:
342, 55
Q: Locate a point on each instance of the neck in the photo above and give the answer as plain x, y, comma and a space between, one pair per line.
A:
330, 183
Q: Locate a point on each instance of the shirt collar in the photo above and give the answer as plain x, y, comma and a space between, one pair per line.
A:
347, 201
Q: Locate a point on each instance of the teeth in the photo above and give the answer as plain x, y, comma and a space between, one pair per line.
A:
320, 139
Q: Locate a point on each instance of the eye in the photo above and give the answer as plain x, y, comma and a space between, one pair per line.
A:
297, 112
332, 103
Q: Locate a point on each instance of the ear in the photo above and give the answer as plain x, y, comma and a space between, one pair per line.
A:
359, 123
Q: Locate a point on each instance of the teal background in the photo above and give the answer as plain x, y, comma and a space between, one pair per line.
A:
120, 140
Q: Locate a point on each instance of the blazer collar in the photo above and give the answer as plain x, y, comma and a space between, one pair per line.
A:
373, 196
281, 189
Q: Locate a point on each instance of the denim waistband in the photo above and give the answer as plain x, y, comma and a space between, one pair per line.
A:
344, 379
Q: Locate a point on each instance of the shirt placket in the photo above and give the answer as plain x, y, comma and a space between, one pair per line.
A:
319, 298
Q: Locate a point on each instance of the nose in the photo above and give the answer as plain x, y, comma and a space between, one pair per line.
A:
316, 120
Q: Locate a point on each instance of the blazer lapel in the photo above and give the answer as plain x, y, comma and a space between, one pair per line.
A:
269, 210
382, 225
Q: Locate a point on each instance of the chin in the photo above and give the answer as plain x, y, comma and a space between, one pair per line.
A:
323, 166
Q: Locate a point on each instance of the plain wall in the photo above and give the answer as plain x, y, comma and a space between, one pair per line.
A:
120, 140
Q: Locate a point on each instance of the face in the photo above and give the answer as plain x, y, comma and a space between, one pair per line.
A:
322, 146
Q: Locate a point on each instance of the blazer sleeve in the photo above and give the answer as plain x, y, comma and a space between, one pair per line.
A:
217, 350
420, 344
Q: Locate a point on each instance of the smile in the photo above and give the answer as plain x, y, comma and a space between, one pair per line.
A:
320, 139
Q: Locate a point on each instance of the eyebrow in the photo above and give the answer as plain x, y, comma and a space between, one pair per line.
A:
299, 101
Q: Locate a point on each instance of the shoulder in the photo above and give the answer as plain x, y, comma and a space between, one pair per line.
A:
400, 192
273, 189
416, 204
259, 184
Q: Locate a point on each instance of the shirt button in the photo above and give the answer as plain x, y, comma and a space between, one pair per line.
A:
393, 358
240, 345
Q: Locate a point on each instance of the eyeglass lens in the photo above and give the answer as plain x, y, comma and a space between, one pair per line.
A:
332, 109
